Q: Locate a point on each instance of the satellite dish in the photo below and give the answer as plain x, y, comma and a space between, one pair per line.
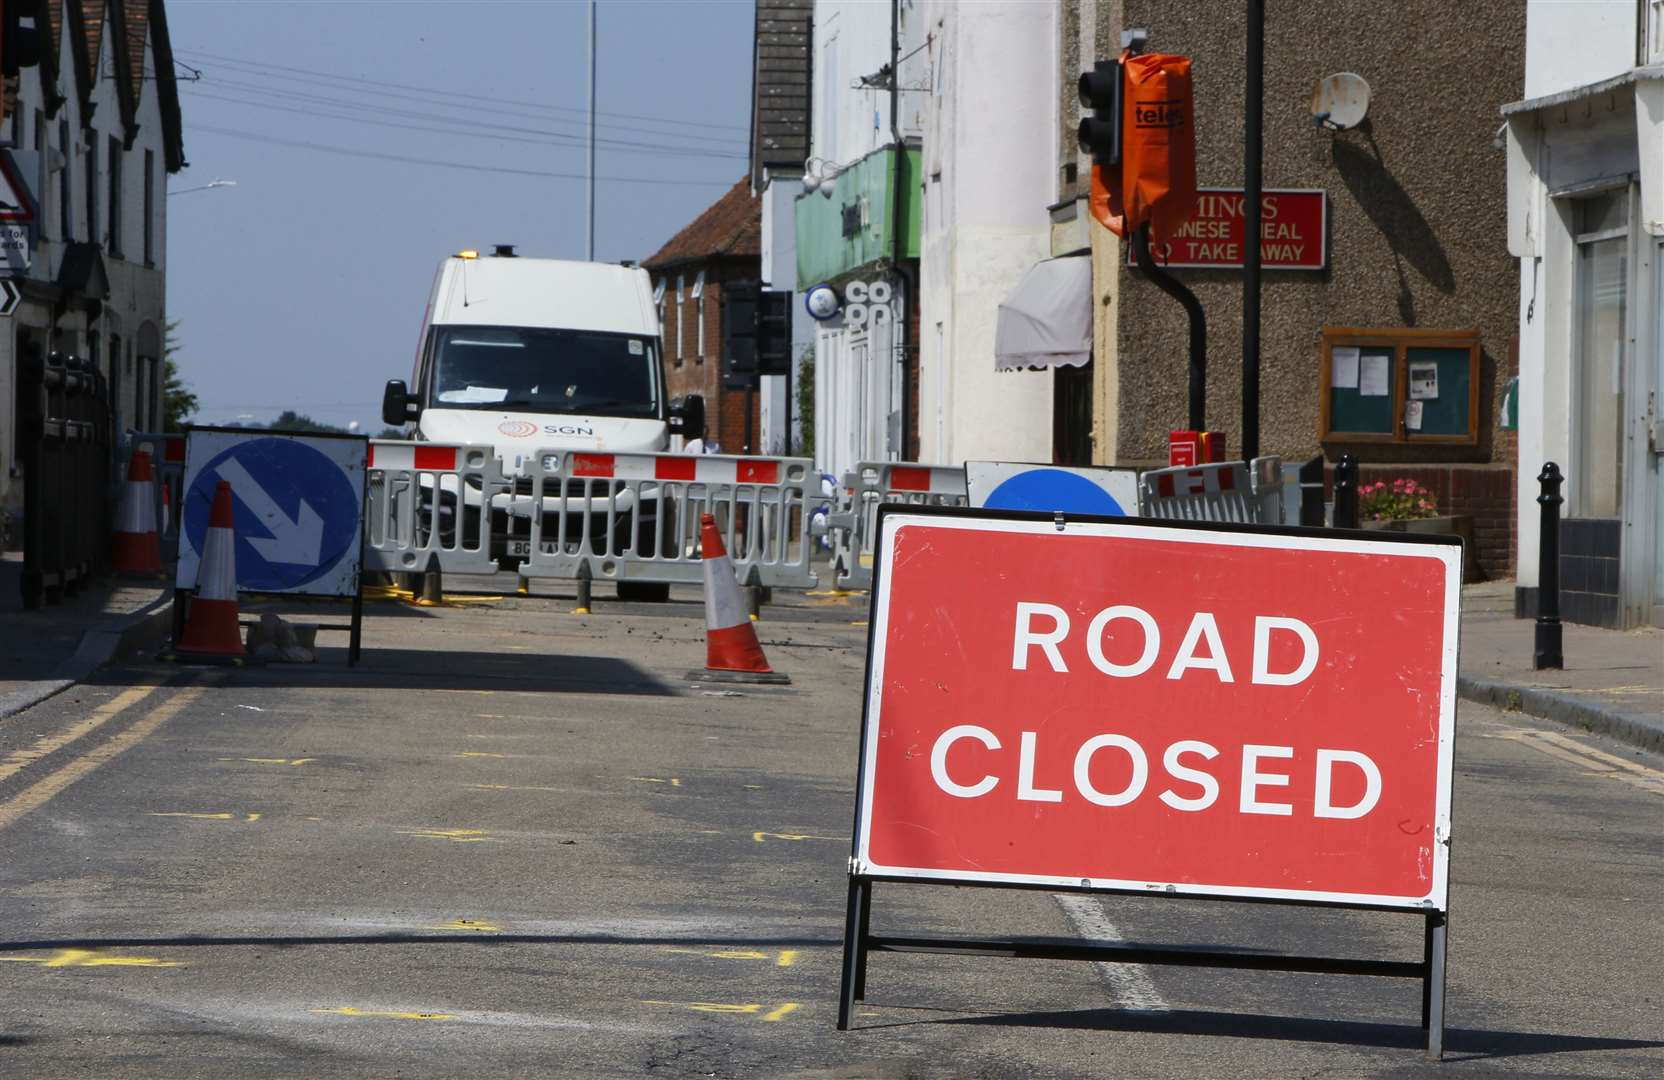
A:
821, 302
1340, 101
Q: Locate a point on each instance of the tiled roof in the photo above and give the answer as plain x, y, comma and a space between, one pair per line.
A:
780, 87
92, 17
138, 22
732, 225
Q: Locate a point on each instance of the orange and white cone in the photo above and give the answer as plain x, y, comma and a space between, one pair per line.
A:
211, 629
136, 548
732, 652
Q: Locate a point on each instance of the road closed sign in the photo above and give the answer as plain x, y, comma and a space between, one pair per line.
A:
1206, 711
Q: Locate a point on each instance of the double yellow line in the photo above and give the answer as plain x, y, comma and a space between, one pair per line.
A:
44, 789
1591, 760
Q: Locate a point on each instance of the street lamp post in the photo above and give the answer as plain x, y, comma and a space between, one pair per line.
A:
203, 187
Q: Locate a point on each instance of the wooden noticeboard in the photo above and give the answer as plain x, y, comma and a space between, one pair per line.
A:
1367, 394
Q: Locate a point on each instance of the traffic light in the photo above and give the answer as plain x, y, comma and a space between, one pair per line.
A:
739, 334
1100, 133
756, 333
774, 332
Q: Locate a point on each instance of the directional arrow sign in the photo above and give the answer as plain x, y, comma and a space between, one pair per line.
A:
297, 542
10, 297
296, 508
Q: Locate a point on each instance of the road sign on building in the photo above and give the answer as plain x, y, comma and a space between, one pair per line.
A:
1004, 485
1134, 707
10, 297
297, 502
16, 205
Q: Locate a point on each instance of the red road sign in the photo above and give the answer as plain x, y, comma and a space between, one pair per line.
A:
1294, 232
1186, 710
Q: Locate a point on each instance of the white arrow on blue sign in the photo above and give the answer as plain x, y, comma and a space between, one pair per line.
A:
297, 505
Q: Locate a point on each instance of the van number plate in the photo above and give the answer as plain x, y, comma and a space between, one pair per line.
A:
521, 548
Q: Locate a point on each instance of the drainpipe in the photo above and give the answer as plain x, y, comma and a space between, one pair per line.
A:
898, 238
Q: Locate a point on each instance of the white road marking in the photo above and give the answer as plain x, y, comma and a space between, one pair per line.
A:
1130, 983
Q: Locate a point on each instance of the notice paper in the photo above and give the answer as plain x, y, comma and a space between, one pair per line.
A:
1424, 380
1412, 415
1343, 367
1375, 375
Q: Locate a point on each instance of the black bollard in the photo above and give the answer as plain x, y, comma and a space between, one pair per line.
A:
1311, 492
1548, 649
1346, 492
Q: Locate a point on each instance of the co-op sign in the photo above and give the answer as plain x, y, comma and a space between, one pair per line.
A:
1294, 231
1123, 706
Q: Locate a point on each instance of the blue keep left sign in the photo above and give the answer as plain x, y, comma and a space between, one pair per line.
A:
1104, 492
296, 504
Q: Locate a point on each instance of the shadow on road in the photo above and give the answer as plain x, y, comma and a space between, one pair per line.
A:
411, 938
427, 669
1459, 1042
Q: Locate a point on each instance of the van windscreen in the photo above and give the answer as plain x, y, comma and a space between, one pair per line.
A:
534, 369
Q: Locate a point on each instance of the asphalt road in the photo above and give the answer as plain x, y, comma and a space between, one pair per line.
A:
520, 842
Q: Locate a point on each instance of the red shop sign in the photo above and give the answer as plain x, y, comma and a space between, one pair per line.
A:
1294, 231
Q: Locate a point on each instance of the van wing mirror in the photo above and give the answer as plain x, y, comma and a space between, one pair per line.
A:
687, 416
396, 406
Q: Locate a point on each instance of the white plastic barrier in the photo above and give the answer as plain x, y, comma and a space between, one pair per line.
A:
874, 483
635, 517
1250, 493
431, 504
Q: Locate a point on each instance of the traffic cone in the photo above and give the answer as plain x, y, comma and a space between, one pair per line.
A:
211, 630
732, 652
136, 548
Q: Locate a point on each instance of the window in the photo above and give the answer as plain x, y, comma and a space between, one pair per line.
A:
1601, 283
66, 200
91, 181
539, 370
681, 285
113, 214
150, 208
699, 317
658, 305
1399, 386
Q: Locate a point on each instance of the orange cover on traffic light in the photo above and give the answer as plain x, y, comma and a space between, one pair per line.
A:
1157, 179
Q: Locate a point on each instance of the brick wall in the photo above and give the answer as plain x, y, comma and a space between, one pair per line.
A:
692, 373
1483, 493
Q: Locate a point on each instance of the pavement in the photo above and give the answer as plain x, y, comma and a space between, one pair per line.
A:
44, 651
520, 842
1612, 683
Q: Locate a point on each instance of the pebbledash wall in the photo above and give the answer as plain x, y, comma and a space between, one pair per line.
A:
1416, 224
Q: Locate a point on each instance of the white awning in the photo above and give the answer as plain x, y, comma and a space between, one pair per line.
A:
1047, 319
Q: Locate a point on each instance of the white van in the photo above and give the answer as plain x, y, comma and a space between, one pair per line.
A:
538, 354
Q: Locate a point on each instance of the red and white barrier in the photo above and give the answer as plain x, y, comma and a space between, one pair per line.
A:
872, 484
619, 516
1228, 491
699, 469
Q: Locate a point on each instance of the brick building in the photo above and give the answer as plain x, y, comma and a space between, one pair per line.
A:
1414, 274
723, 244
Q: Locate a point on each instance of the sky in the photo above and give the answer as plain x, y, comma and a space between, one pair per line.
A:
302, 286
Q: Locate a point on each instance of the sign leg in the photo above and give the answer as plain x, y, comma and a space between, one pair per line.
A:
1432, 985
854, 944
357, 632
861, 942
